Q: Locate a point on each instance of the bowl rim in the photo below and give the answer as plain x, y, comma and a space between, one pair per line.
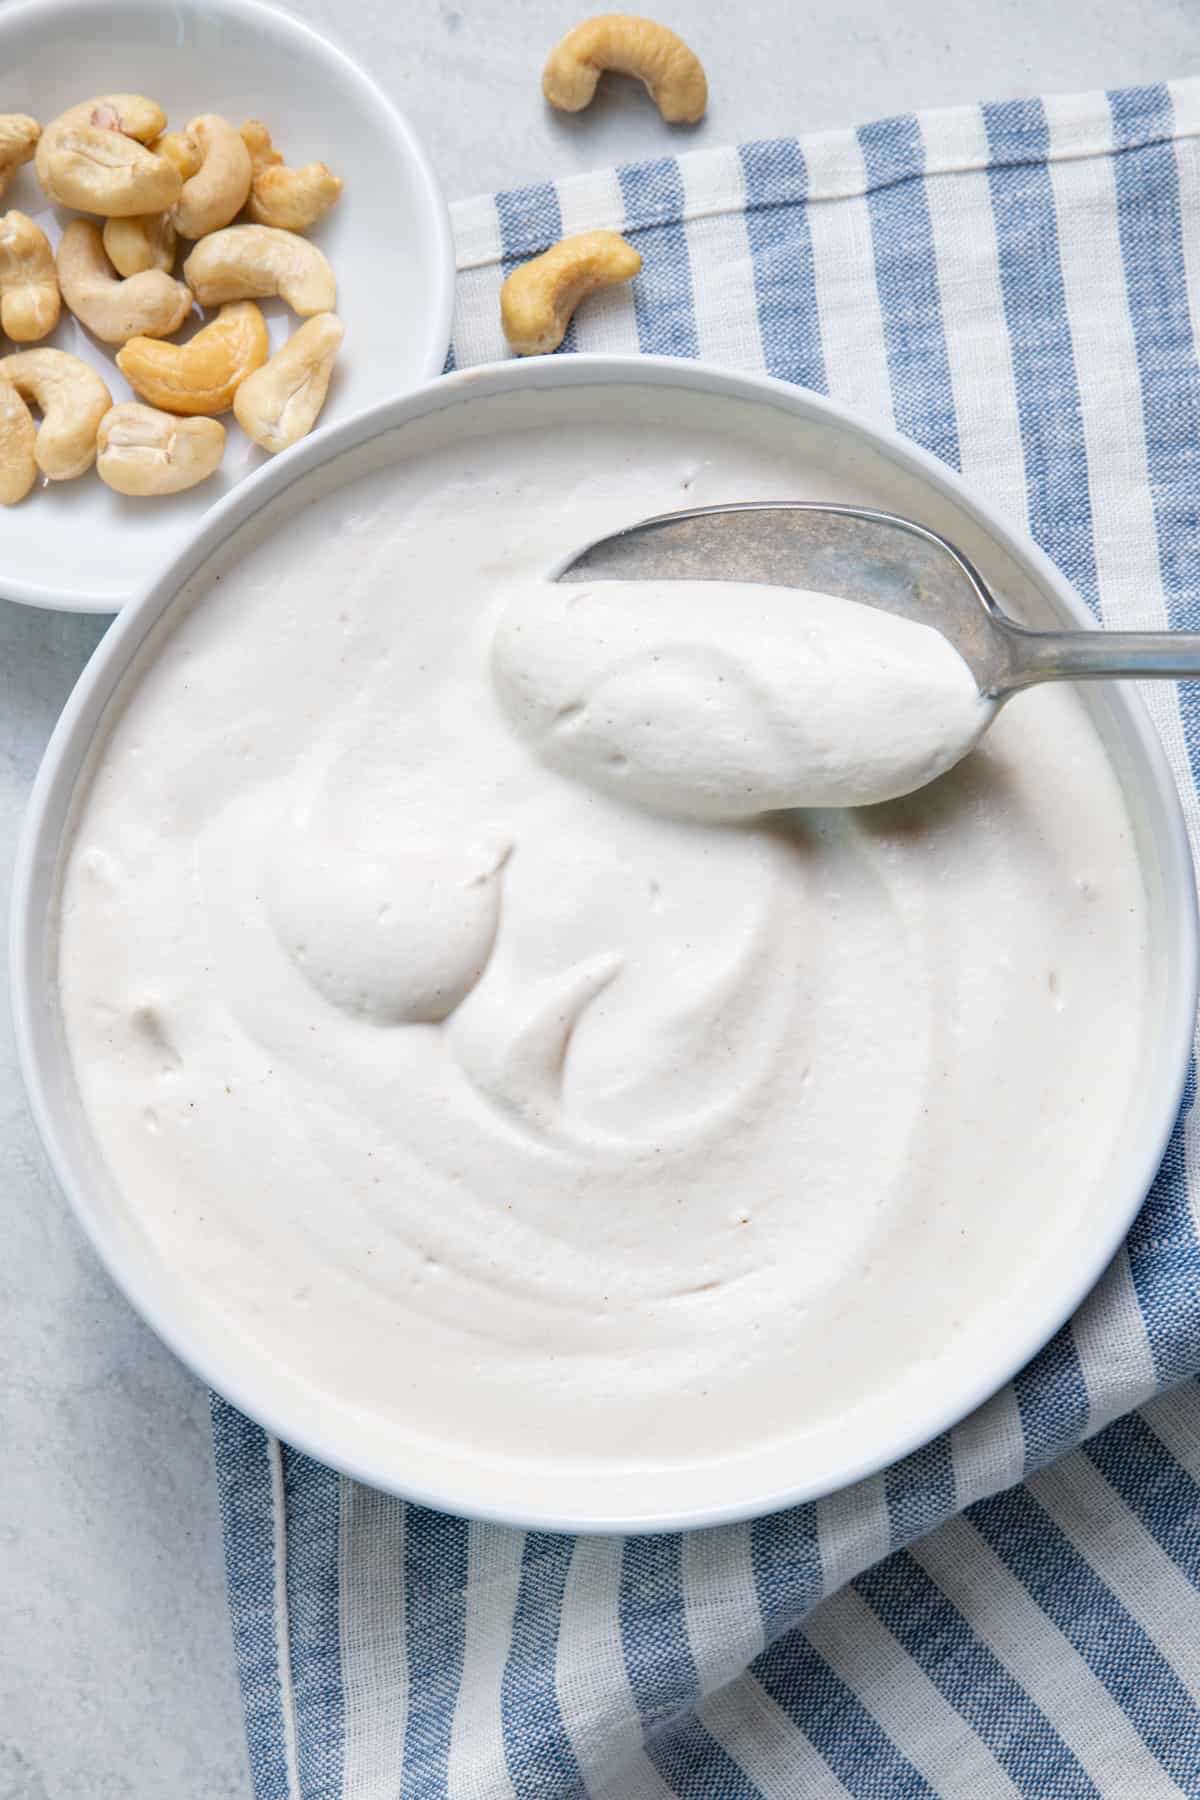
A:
408, 148
246, 1383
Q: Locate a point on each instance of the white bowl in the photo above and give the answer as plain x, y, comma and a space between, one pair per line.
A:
888, 471
76, 545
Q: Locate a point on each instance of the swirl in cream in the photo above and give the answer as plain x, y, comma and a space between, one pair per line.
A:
582, 1112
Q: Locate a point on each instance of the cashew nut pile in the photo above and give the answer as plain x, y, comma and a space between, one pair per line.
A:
146, 188
540, 296
228, 193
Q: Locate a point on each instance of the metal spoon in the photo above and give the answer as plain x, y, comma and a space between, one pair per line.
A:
856, 554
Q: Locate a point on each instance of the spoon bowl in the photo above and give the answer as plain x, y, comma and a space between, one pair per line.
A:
878, 560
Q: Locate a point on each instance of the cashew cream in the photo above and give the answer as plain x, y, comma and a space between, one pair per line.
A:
720, 700
563, 1111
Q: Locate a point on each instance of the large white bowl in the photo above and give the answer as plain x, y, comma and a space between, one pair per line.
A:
887, 470
76, 545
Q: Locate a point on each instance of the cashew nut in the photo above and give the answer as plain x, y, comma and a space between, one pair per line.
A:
203, 375
19, 135
670, 72
257, 139
94, 157
18, 438
142, 451
180, 152
146, 241
72, 400
217, 191
131, 114
537, 300
250, 262
147, 305
291, 199
29, 303
279, 404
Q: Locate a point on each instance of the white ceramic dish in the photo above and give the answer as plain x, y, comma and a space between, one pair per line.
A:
886, 471
77, 546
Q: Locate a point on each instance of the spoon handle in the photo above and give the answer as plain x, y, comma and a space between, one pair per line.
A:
1100, 656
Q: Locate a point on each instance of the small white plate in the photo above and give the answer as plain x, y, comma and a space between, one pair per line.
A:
76, 546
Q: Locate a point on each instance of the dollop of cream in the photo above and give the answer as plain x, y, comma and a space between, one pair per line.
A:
720, 700
397, 933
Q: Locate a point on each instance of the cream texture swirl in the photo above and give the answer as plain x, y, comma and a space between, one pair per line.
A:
537, 1124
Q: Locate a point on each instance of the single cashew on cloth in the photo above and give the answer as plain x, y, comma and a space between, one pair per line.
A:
18, 439
141, 451
146, 241
671, 73
253, 262
19, 136
94, 157
72, 400
203, 375
280, 403
151, 304
537, 300
29, 302
289, 199
218, 190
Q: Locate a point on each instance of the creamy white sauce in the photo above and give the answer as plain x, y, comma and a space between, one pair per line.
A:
719, 700
534, 1122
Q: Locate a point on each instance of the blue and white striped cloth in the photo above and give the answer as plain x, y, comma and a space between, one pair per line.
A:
1018, 288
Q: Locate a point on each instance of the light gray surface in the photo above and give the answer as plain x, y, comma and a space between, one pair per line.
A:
115, 1664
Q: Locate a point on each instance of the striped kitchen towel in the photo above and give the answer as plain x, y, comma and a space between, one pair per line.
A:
1005, 1612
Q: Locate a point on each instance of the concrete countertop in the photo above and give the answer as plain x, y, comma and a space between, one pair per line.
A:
116, 1675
